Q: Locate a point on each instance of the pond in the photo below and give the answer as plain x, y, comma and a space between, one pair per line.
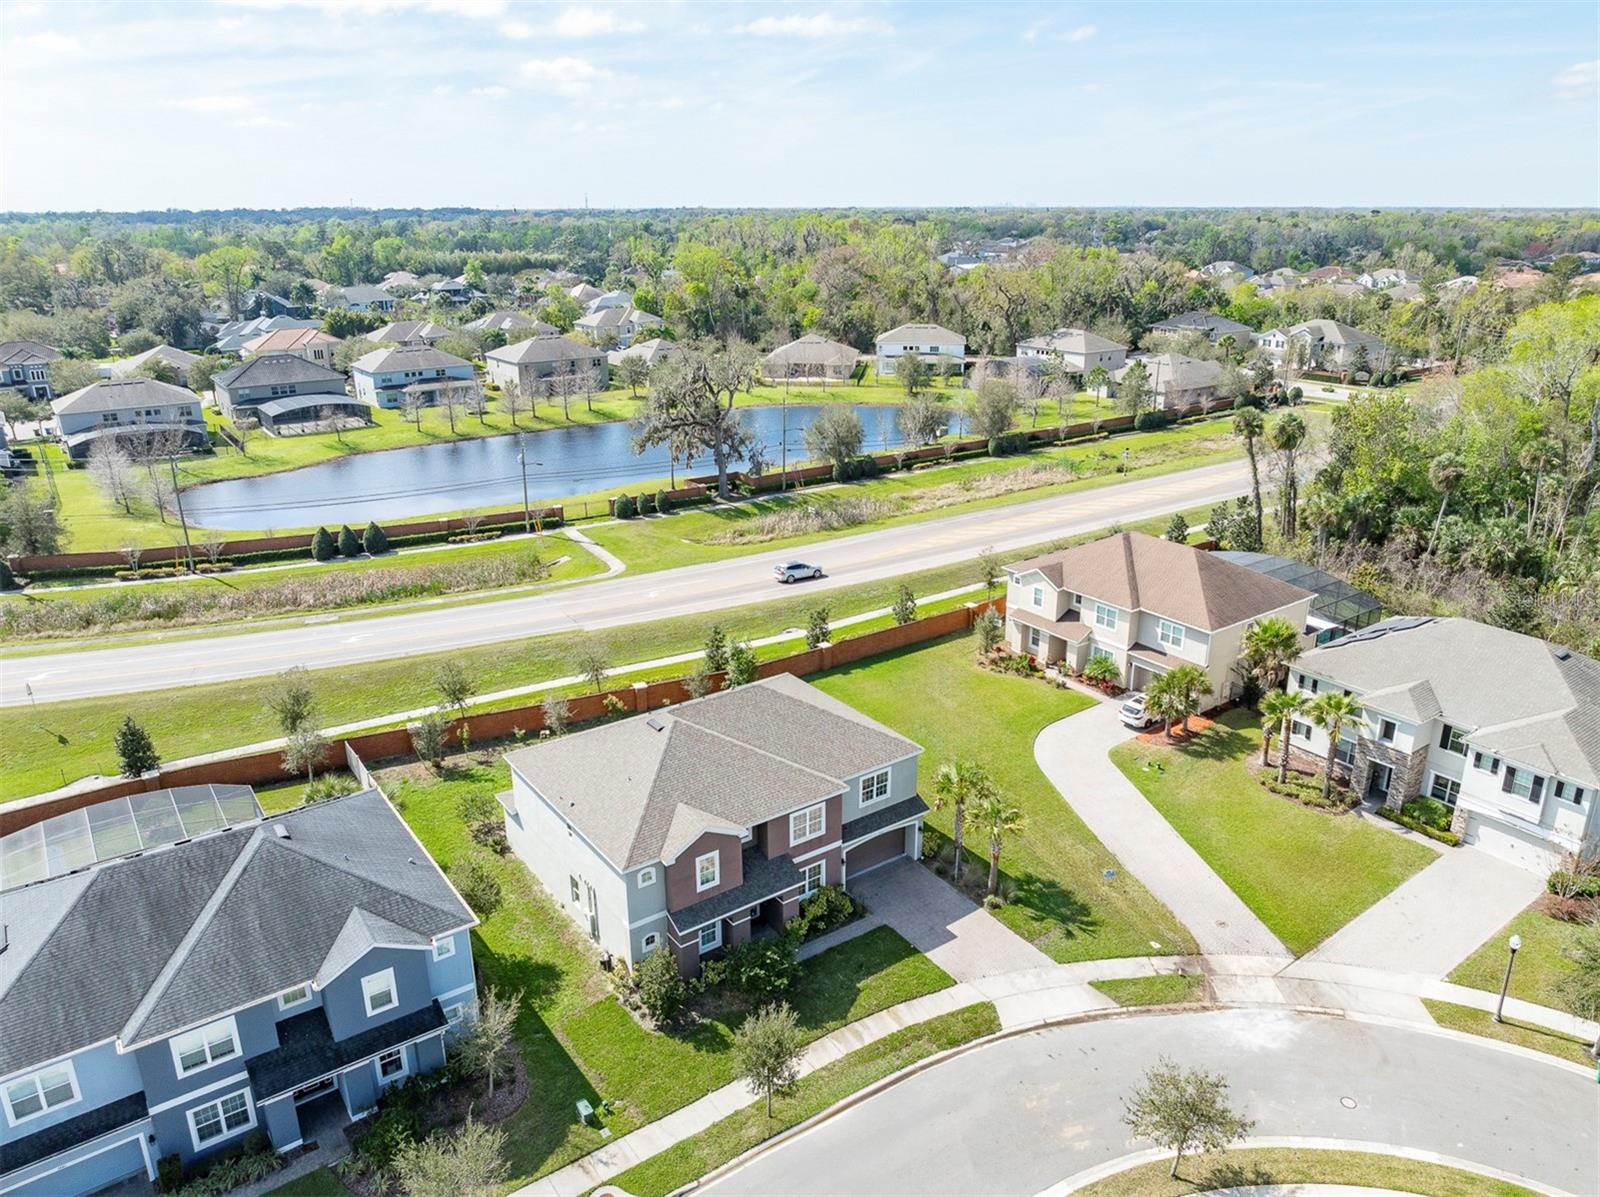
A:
453, 475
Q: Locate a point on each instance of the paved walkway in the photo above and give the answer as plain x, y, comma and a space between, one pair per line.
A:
1072, 753
1435, 919
959, 936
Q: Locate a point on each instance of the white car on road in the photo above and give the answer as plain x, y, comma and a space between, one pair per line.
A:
794, 571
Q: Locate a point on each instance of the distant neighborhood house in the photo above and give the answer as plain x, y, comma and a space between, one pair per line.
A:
409, 332
924, 340
1211, 325
310, 343
1176, 381
414, 375
25, 366
812, 358
135, 411
534, 364
1076, 348
177, 361
283, 390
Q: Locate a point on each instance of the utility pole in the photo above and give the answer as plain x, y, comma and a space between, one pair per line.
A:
177, 497
522, 461
783, 474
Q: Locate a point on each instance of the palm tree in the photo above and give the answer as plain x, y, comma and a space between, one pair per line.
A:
999, 819
1286, 435
1444, 471
1284, 707
1162, 699
1269, 645
1331, 711
1189, 684
1247, 425
960, 783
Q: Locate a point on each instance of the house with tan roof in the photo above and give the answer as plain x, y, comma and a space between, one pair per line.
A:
812, 358
928, 341
685, 829
1147, 605
1077, 348
311, 344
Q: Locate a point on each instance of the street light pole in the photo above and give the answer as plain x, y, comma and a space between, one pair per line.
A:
1499, 1010
177, 498
522, 462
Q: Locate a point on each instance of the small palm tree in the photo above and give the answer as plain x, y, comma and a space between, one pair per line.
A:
1162, 699
1102, 671
1284, 707
1269, 646
1444, 471
1331, 711
999, 819
959, 784
1189, 685
1248, 425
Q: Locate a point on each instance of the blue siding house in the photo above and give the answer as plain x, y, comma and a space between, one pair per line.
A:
172, 1000
425, 376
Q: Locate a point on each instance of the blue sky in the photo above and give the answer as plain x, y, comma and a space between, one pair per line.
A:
495, 103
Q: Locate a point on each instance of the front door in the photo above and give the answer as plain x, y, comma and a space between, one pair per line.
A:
1378, 781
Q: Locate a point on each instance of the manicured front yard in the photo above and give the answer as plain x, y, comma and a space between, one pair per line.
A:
1245, 1167
1473, 1021
577, 1040
711, 1148
936, 695
1168, 989
1303, 872
1540, 964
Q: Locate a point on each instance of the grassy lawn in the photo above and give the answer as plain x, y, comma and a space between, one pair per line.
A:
1540, 964
1245, 1167
324, 1182
711, 1148
1473, 1021
1303, 872
936, 695
47, 747
577, 1040
1169, 989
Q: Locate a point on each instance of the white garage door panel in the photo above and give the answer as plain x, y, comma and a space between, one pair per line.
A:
1508, 844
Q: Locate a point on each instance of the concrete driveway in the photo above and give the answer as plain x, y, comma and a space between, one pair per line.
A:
1436, 918
1021, 1114
1073, 754
963, 939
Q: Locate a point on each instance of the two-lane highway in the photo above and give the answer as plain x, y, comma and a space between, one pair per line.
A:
624, 599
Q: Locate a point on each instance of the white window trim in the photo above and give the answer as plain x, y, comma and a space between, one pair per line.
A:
1038, 597
444, 947
194, 1129
72, 1077
821, 811
455, 1013
700, 937
647, 877
367, 987
870, 782
377, 1067
305, 996
822, 877
1170, 633
1105, 616
715, 858
649, 942
233, 1030
1435, 777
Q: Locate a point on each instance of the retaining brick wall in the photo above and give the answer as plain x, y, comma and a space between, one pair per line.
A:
266, 768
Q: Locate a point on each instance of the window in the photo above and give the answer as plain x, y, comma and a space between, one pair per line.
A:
576, 897
455, 1012
650, 942
874, 786
1445, 789
707, 871
647, 878
1386, 730
392, 1064
299, 995
816, 875
194, 1050
1345, 754
808, 824
48, 1089
445, 948
1100, 654
1038, 596
378, 992
1523, 784
711, 937
1035, 639
221, 1118
1303, 730
1568, 792
1104, 616
1169, 633
1451, 740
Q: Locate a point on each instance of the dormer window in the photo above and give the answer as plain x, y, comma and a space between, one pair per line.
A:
378, 992
707, 871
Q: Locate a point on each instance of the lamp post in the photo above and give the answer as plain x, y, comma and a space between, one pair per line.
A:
523, 462
1499, 1010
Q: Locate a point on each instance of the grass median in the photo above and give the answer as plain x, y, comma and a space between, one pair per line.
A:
1247, 1168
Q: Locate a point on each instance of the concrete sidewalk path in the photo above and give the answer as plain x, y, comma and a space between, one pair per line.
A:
1073, 754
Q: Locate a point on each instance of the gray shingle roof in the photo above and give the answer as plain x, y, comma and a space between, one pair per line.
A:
643, 789
920, 332
1170, 372
545, 349
1516, 695
405, 357
401, 331
23, 353
272, 369
508, 320
362, 293
812, 350
178, 359
1072, 340
150, 944
1209, 323
123, 394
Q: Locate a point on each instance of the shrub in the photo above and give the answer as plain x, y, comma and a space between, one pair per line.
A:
490, 834
762, 967
623, 507
817, 631
330, 785
1149, 421
662, 990
169, 1170
1244, 401
645, 504
1562, 882
474, 877
1296, 394
1008, 443
991, 631
904, 609
1433, 833
824, 910
322, 546
349, 542
392, 1131
135, 750
663, 503
427, 738
8, 580
374, 539
1429, 811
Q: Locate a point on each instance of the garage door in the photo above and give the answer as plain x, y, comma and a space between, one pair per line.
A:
876, 851
1509, 843
96, 1171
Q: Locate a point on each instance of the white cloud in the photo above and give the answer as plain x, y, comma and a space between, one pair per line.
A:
494, 91
590, 22
1082, 33
51, 42
261, 122
564, 76
818, 25
443, 89
517, 29
212, 104
1580, 81
1031, 33
478, 10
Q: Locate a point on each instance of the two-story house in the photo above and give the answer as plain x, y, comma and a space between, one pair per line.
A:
1210, 325
1328, 345
177, 361
1147, 605
533, 364
312, 344
1501, 727
1077, 348
203, 972
283, 388
617, 325
925, 340
393, 376
1176, 380
408, 332
135, 410
504, 321
234, 335
25, 367
686, 828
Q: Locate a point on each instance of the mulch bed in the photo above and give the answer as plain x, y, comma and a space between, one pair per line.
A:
1198, 726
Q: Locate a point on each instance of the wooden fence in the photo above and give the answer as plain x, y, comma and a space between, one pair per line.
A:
266, 768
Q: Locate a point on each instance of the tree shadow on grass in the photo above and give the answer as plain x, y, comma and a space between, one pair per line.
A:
1218, 743
1052, 904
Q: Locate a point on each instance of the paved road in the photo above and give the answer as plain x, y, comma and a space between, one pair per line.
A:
1073, 754
321, 642
1022, 1114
